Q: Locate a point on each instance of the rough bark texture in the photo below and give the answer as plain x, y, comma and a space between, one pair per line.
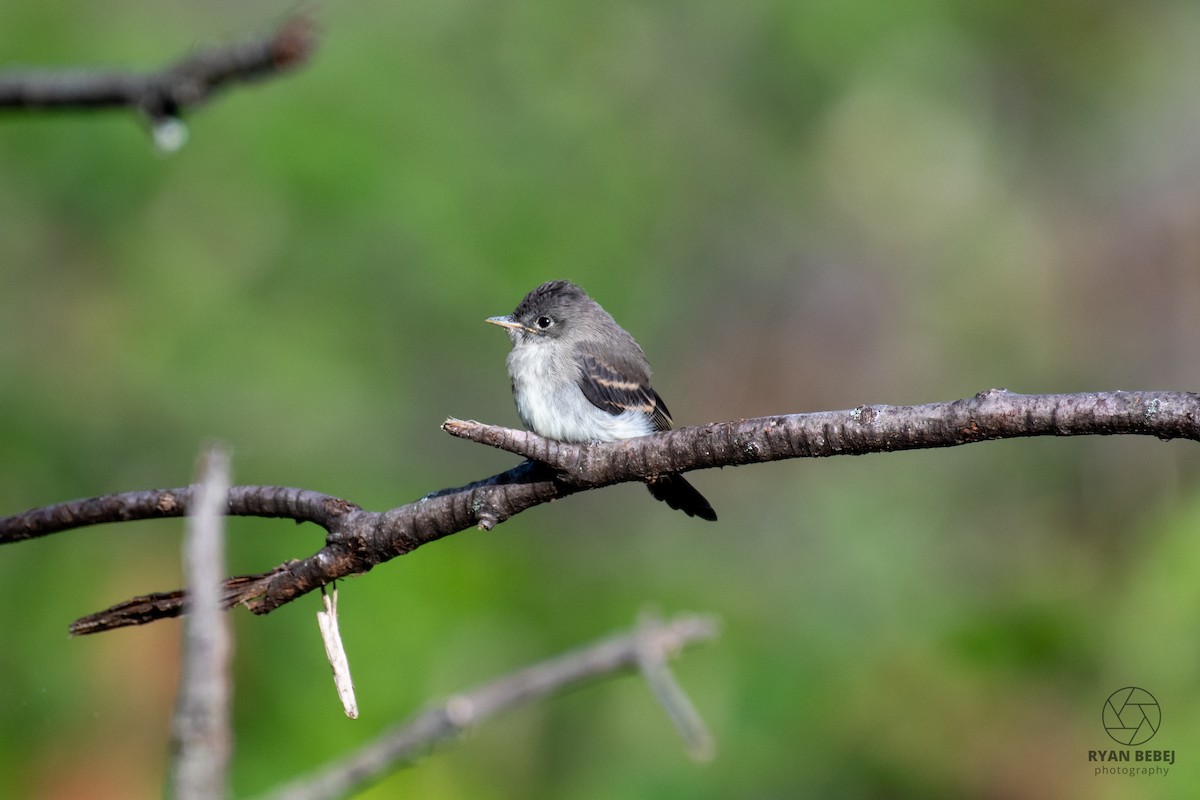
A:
357, 540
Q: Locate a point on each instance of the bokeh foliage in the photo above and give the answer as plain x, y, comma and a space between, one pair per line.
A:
794, 206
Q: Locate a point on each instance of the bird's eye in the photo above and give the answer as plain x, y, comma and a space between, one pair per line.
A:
543, 322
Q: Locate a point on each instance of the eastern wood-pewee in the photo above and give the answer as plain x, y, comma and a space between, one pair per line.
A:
578, 376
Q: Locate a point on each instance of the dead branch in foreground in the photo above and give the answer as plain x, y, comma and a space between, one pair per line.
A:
406, 742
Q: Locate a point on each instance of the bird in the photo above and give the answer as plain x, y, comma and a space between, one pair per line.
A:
578, 376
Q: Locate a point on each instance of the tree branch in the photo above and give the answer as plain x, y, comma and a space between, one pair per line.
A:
357, 540
201, 736
994, 414
406, 742
168, 93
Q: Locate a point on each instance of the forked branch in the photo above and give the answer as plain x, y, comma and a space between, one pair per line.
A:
404, 743
357, 540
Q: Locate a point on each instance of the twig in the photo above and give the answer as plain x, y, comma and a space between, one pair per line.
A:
408, 741
201, 730
652, 659
168, 93
358, 540
335, 651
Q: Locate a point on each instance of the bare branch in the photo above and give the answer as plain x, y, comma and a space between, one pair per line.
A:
994, 414
406, 742
357, 540
164, 605
201, 731
166, 94
301, 505
652, 660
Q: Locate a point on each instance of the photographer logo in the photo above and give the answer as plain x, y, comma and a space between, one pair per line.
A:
1131, 716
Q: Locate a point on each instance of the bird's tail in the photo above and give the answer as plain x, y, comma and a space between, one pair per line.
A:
676, 492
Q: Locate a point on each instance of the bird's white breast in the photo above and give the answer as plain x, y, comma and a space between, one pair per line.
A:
551, 404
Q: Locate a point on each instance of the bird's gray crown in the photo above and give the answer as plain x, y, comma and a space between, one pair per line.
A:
552, 294
559, 311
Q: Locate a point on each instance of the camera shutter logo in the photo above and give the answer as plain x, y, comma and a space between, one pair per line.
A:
1131, 716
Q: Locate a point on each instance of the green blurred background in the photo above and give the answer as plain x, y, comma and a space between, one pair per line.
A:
794, 206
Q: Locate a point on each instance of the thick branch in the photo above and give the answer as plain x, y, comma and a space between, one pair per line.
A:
994, 414
406, 742
357, 540
169, 92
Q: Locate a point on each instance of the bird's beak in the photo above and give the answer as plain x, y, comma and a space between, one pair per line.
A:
506, 322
